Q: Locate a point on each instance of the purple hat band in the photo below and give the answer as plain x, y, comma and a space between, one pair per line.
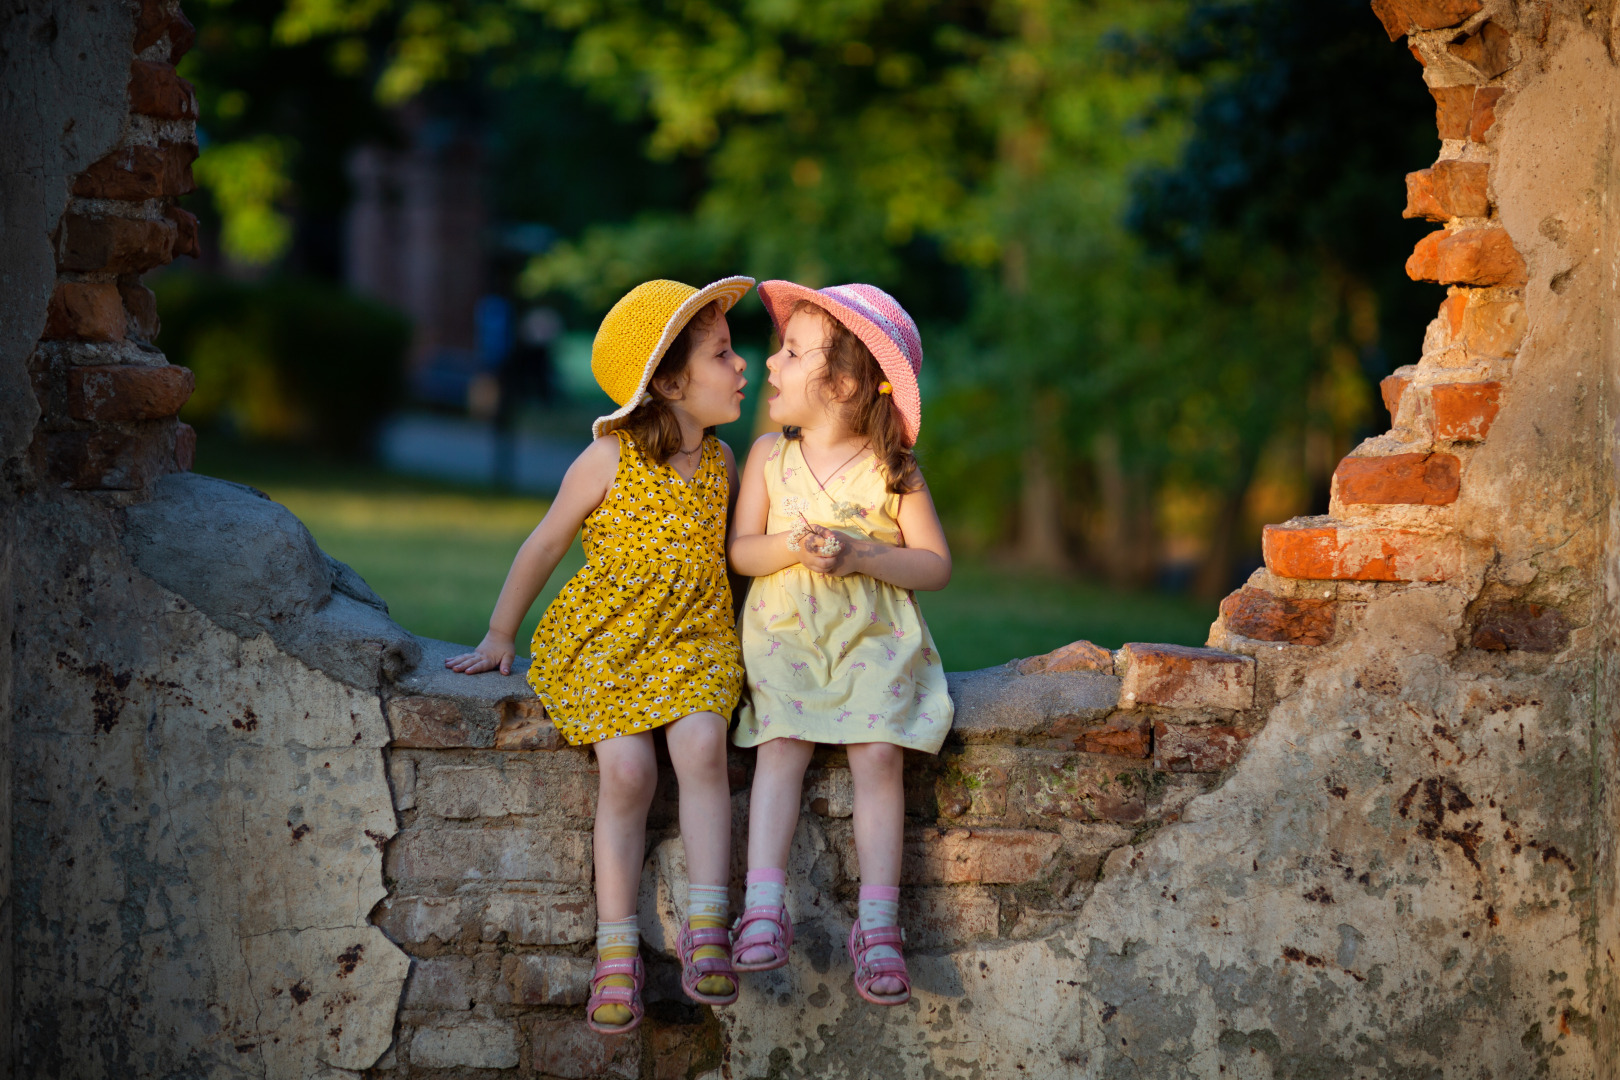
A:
878, 320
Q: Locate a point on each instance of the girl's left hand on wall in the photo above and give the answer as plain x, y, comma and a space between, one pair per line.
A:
493, 652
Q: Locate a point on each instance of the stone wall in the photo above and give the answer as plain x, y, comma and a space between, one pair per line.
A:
256, 829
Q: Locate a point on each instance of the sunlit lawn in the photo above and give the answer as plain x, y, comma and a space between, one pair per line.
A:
438, 555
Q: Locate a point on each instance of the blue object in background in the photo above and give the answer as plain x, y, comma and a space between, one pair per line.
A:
492, 323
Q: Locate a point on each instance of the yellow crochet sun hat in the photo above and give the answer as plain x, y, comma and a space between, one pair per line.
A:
635, 334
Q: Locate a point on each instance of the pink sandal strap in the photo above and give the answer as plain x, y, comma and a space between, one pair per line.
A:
694, 970
604, 994
779, 939
869, 969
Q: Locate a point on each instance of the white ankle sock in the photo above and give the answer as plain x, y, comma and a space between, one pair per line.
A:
767, 887
880, 906
706, 901
620, 932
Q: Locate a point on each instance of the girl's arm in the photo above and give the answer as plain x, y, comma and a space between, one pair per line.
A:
584, 487
923, 563
753, 552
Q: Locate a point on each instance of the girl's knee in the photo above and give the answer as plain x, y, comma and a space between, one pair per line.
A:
629, 776
876, 758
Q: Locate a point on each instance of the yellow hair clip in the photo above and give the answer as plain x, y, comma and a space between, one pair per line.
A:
885, 388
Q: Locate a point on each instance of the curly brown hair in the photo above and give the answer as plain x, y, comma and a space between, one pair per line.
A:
869, 414
653, 423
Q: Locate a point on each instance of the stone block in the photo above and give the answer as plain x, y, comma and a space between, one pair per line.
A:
543, 979
186, 241
415, 919
524, 725
402, 781
830, 793
1399, 479
1482, 114
155, 90
1464, 412
1404, 16
1179, 677
1448, 189
1391, 388
1520, 626
674, 1047
977, 856
1075, 656
141, 304
185, 446
102, 243
946, 918
1329, 551
114, 392
1257, 614
514, 787
999, 705
1185, 748
528, 917
1493, 327
1120, 735
569, 1050
107, 459
1488, 50
463, 854
86, 311
1453, 110
1472, 256
136, 173
433, 724
441, 984
470, 1044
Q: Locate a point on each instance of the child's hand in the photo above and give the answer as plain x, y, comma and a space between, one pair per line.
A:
826, 551
495, 651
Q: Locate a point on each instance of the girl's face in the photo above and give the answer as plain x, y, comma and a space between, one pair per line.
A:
711, 392
800, 396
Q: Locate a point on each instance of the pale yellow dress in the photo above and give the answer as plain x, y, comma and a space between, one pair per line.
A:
837, 659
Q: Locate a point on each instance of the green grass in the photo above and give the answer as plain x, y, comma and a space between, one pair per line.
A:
438, 555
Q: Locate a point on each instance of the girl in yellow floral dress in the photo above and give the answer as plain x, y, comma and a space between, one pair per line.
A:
643, 637
836, 526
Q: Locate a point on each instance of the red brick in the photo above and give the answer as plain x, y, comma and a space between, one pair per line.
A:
547, 979
185, 447
1186, 748
150, 23
1403, 16
86, 311
182, 36
141, 305
1121, 735
1493, 327
1453, 309
525, 726
1453, 110
1464, 412
1448, 189
108, 459
1333, 552
1390, 389
430, 723
1482, 115
1476, 256
1488, 50
155, 90
1075, 656
570, 1050
1176, 676
978, 856
102, 243
185, 240
128, 391
1399, 479
1519, 626
1257, 614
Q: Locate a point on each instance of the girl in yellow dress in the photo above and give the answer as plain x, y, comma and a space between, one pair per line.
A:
643, 637
836, 526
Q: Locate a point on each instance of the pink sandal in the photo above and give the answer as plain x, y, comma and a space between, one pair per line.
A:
628, 996
779, 941
868, 971
694, 971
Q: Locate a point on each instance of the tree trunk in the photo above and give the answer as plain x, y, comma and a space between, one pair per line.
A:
1040, 518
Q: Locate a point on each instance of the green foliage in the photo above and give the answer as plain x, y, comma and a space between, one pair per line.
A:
247, 178
290, 359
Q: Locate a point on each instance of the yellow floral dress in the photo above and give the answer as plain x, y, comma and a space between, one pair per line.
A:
837, 659
643, 635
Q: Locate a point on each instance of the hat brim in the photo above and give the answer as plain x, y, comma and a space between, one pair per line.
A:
779, 298
725, 292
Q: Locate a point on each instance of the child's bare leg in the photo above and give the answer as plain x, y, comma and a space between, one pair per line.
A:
697, 749
629, 773
773, 815
877, 774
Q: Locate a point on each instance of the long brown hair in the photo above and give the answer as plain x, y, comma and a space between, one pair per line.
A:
652, 423
870, 415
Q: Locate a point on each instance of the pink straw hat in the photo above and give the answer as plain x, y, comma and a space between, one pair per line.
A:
878, 320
